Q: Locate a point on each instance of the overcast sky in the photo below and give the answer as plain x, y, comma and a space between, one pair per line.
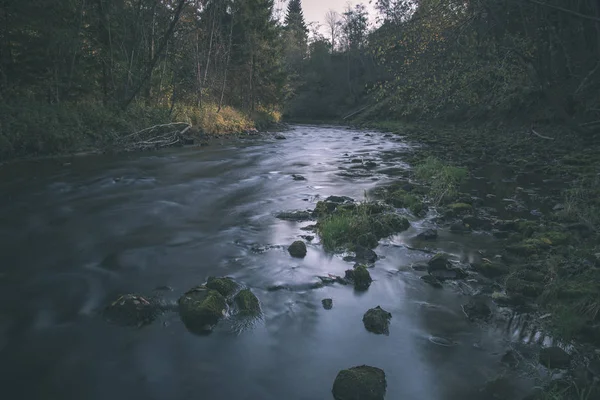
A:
315, 10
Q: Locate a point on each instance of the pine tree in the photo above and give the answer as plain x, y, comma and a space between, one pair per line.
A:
294, 19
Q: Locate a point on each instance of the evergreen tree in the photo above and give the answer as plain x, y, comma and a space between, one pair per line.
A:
294, 19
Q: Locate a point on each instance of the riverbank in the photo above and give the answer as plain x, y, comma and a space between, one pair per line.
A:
548, 261
34, 130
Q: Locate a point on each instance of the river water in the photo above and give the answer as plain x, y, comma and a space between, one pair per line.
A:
73, 235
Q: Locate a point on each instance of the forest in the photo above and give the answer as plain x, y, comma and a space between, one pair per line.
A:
78, 72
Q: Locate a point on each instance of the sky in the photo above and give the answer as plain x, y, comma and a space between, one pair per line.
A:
315, 10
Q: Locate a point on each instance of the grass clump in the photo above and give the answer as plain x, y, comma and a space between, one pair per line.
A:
445, 180
582, 202
346, 228
401, 198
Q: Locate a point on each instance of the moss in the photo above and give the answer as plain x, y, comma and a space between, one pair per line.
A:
201, 308
491, 269
445, 180
360, 383
460, 207
389, 223
519, 287
402, 199
362, 278
226, 286
247, 302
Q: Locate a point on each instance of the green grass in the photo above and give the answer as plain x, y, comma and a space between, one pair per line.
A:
445, 180
364, 225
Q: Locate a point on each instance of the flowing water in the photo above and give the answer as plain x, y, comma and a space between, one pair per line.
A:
74, 235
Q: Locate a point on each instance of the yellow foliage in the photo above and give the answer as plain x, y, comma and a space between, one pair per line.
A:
209, 119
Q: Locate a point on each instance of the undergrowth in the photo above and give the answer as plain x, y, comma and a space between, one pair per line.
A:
444, 179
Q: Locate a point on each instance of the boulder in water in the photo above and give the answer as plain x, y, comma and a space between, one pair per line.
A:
225, 286
327, 304
201, 308
247, 303
364, 254
279, 136
362, 278
360, 383
297, 249
377, 320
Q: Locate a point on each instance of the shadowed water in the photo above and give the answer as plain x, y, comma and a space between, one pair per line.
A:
75, 235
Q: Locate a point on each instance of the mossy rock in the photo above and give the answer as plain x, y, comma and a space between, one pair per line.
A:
297, 249
131, 310
360, 383
377, 320
323, 209
297, 216
368, 240
460, 208
490, 269
519, 287
247, 303
362, 278
388, 224
440, 261
226, 286
201, 308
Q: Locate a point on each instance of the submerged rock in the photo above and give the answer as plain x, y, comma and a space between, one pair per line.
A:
377, 320
297, 177
247, 303
327, 304
440, 261
554, 357
225, 286
365, 255
360, 383
490, 269
476, 309
428, 234
131, 310
295, 216
297, 249
459, 227
201, 308
279, 136
432, 280
441, 268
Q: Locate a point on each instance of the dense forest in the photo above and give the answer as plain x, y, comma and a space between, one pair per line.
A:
88, 71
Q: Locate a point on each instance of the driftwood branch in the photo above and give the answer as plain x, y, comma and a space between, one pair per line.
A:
155, 137
541, 136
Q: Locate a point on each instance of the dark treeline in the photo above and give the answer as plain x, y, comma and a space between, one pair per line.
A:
462, 60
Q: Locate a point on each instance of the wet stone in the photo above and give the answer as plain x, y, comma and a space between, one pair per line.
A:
477, 309
377, 320
247, 303
131, 310
298, 177
295, 216
432, 280
360, 383
225, 286
327, 304
297, 249
201, 308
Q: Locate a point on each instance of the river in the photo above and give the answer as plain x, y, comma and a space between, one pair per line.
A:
74, 233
